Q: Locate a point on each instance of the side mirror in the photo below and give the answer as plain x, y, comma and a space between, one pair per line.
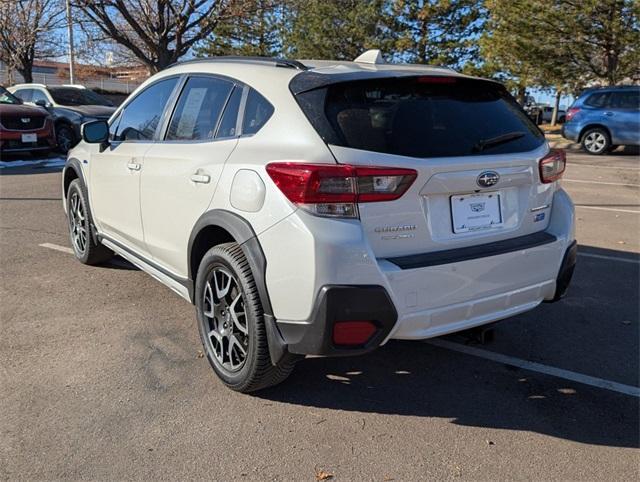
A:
42, 103
95, 132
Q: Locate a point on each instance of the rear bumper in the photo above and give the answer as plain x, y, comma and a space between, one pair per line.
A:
428, 298
570, 131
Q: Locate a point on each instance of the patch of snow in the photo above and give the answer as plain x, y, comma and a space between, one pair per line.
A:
49, 162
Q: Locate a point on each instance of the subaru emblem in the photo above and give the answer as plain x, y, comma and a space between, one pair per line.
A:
488, 179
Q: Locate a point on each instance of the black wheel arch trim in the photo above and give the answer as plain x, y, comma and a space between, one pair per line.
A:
242, 232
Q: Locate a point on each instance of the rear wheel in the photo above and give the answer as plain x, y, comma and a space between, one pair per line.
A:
231, 322
596, 141
86, 250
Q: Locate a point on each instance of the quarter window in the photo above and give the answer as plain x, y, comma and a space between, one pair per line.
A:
140, 118
257, 112
597, 100
199, 108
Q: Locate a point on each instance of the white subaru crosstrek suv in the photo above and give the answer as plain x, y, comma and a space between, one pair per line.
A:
322, 207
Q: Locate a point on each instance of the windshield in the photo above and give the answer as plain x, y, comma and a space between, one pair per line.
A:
7, 97
421, 117
76, 96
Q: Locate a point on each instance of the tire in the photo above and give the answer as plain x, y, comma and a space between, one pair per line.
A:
65, 138
596, 141
231, 322
81, 231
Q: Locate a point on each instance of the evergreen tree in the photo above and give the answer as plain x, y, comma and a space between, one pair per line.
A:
439, 32
258, 32
333, 29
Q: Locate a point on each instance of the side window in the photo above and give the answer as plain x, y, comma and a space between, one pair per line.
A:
140, 118
626, 100
598, 99
38, 95
198, 109
257, 112
230, 117
24, 94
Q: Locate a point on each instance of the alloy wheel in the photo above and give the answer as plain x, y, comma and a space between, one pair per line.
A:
227, 331
595, 142
77, 223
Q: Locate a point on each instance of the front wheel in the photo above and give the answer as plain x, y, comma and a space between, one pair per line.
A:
596, 141
231, 322
65, 138
86, 249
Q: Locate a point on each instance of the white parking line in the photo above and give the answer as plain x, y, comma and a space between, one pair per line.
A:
610, 258
573, 164
601, 182
538, 367
598, 208
64, 249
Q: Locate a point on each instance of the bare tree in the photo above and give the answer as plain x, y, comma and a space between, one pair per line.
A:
156, 32
27, 32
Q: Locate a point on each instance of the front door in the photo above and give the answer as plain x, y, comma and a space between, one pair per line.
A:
115, 172
181, 172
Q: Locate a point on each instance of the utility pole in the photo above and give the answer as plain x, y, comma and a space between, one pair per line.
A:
71, 50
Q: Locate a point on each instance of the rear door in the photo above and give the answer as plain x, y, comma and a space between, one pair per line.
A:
181, 171
623, 116
474, 149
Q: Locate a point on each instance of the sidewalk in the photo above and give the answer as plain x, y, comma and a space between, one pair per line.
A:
552, 133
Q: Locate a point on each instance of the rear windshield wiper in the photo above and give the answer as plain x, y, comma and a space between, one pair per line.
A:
494, 141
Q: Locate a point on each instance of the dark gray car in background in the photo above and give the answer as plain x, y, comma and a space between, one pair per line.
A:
70, 106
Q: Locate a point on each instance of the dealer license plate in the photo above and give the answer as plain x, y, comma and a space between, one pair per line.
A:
474, 212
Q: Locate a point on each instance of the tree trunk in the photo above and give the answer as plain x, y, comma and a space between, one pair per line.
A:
26, 72
522, 95
556, 108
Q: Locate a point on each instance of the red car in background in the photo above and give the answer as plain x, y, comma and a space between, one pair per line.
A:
24, 128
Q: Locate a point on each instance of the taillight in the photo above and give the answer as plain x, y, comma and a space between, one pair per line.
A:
571, 113
552, 165
334, 190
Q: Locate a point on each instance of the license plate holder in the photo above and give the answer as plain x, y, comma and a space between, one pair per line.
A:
476, 212
29, 138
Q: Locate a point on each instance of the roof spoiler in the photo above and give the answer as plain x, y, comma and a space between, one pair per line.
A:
373, 56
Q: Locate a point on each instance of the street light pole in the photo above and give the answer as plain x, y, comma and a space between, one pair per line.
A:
71, 50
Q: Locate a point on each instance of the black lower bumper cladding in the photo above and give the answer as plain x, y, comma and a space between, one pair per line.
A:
337, 303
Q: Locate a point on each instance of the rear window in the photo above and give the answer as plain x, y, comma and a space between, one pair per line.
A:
421, 117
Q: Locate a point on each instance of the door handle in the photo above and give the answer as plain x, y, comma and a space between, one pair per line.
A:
608, 113
133, 166
201, 178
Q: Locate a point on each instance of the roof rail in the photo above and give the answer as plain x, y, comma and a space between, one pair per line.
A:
277, 62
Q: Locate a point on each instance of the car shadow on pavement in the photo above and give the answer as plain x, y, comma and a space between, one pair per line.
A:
420, 380
13, 164
593, 331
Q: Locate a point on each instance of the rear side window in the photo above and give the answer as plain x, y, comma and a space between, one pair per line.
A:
199, 108
257, 112
421, 117
598, 99
140, 118
626, 99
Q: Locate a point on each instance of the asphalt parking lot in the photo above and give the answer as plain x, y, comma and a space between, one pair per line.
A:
102, 375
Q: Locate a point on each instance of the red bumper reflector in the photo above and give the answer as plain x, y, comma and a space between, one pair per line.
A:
353, 333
